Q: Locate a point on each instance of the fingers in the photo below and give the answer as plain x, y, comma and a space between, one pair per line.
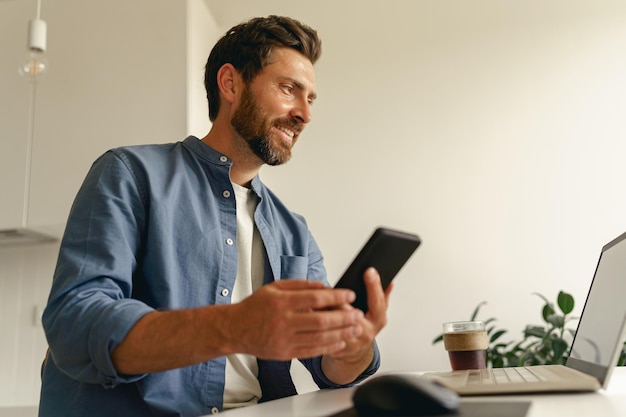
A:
303, 295
296, 318
321, 320
376, 298
317, 320
305, 351
314, 333
324, 340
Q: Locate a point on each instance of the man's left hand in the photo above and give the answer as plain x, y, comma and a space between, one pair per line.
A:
344, 366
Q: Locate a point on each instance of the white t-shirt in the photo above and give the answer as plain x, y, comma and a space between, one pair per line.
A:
241, 385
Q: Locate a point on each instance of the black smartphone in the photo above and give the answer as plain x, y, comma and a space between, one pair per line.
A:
386, 250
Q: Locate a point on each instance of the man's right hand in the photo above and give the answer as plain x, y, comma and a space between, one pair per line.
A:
283, 320
293, 318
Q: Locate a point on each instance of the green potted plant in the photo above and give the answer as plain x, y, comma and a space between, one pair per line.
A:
544, 344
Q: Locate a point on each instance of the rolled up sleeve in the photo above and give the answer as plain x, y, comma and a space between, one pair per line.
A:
89, 310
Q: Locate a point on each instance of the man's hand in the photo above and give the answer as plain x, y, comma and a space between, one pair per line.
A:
345, 365
282, 320
295, 319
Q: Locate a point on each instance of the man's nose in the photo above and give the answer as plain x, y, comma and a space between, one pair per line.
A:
302, 111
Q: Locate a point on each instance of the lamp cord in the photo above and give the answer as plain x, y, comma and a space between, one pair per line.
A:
29, 153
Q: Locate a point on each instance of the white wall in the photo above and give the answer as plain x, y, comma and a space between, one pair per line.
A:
202, 33
494, 129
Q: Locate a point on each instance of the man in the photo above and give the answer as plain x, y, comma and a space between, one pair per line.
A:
184, 286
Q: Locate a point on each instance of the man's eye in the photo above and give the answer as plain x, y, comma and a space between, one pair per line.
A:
288, 89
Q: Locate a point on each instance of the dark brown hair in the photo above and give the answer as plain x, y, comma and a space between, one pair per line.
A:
248, 46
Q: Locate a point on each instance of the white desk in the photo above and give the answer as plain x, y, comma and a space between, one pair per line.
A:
605, 403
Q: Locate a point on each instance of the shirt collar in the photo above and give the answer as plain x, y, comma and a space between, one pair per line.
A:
204, 151
211, 155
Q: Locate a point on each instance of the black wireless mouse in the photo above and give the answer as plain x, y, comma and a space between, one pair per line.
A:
403, 395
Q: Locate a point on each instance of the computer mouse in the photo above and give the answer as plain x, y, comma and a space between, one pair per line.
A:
403, 395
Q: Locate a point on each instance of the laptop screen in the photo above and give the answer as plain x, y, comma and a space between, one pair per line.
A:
599, 337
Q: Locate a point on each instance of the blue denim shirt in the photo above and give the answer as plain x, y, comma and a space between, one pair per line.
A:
154, 227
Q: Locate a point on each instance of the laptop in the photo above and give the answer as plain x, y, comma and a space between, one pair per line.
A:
594, 351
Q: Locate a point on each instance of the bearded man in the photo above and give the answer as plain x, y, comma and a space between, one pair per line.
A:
184, 286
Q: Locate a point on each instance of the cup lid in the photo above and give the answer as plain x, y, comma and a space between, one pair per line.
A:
464, 326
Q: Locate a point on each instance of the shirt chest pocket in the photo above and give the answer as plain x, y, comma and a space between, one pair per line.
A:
294, 267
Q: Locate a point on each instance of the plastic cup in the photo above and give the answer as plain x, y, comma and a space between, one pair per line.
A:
466, 343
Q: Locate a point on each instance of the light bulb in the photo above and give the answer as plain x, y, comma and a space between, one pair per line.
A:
34, 66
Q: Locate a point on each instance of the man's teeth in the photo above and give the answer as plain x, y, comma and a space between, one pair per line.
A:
290, 132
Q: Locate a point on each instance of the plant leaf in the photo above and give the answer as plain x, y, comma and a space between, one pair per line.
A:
556, 320
542, 297
490, 320
497, 362
565, 302
536, 331
546, 312
496, 335
438, 339
559, 346
476, 310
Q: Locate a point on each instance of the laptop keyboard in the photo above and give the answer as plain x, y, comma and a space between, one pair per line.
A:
503, 376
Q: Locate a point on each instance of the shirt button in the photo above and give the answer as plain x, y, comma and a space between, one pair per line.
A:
214, 410
225, 292
229, 242
226, 193
223, 159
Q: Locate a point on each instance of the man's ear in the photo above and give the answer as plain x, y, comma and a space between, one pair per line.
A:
227, 81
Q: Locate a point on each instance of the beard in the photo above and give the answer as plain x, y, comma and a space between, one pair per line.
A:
250, 122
